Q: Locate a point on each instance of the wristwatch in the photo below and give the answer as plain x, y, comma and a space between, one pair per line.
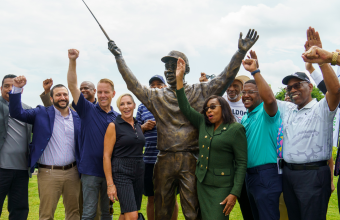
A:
335, 58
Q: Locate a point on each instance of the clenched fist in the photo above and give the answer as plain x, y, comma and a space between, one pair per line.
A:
19, 81
47, 84
73, 54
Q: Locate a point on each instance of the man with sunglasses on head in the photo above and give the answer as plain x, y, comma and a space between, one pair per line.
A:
262, 121
307, 145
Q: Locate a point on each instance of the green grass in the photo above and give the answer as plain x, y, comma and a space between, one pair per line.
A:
332, 214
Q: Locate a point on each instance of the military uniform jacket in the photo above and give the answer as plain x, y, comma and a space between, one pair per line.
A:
222, 160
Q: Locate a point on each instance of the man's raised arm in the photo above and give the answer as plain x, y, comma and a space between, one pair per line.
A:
73, 54
265, 92
140, 91
219, 85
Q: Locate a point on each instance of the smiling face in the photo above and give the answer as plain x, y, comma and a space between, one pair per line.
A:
234, 90
126, 107
300, 96
170, 71
157, 83
60, 98
6, 88
251, 101
105, 94
88, 90
214, 115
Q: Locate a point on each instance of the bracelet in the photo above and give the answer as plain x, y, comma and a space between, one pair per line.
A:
334, 58
110, 185
256, 71
321, 64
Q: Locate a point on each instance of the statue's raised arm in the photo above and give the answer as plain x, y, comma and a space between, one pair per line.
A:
219, 84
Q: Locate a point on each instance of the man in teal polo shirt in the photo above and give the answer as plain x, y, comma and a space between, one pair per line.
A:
262, 121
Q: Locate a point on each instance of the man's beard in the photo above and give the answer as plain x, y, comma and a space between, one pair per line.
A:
236, 96
57, 104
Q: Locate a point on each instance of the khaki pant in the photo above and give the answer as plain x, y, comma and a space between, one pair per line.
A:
54, 183
283, 209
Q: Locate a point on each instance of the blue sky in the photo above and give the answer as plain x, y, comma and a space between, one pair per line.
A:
36, 34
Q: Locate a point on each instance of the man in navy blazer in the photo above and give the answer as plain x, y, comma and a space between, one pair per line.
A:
54, 149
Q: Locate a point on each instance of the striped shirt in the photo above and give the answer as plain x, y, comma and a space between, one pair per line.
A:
60, 150
150, 153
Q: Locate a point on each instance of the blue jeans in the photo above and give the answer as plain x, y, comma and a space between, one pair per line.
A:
92, 186
264, 189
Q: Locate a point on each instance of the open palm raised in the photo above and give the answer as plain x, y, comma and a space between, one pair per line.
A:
245, 44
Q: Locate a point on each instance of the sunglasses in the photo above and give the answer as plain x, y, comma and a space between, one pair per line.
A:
250, 92
296, 86
212, 107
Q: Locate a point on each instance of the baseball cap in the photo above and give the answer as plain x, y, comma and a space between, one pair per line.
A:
157, 77
299, 75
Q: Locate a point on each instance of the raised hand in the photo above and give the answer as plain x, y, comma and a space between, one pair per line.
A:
250, 65
73, 54
47, 84
180, 68
253, 56
19, 81
203, 78
229, 202
317, 55
245, 44
114, 49
313, 39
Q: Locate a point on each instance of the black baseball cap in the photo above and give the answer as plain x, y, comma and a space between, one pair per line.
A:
156, 77
299, 75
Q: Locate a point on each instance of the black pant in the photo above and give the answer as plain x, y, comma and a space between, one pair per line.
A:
14, 184
264, 189
306, 193
245, 204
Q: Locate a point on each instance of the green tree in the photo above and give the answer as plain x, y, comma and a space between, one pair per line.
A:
316, 93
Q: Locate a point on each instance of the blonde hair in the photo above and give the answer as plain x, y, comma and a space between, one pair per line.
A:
121, 96
109, 82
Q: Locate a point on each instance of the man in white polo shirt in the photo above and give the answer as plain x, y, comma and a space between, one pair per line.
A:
307, 145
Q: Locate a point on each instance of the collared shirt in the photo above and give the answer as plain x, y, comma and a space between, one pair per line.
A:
261, 131
150, 153
60, 150
307, 133
94, 122
13, 154
129, 140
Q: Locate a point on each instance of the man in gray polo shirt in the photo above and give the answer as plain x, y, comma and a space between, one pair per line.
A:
307, 145
15, 137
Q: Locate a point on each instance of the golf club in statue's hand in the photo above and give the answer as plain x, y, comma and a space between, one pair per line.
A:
245, 44
114, 49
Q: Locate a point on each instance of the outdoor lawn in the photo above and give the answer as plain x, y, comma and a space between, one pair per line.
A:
333, 213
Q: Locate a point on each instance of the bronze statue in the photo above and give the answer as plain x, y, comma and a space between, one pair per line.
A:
177, 138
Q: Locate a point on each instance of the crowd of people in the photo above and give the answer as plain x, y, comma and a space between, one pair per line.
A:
214, 143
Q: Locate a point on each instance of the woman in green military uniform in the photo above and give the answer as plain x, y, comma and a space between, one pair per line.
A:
222, 162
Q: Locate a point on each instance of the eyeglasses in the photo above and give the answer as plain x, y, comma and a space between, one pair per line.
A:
212, 107
295, 86
250, 92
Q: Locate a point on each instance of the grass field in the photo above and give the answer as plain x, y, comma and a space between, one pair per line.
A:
332, 214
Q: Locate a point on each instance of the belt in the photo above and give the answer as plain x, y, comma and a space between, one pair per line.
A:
306, 166
66, 167
262, 167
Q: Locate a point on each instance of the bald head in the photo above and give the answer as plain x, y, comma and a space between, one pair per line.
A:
88, 90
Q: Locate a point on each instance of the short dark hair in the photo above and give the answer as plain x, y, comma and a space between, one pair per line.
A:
251, 81
9, 76
57, 86
228, 117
